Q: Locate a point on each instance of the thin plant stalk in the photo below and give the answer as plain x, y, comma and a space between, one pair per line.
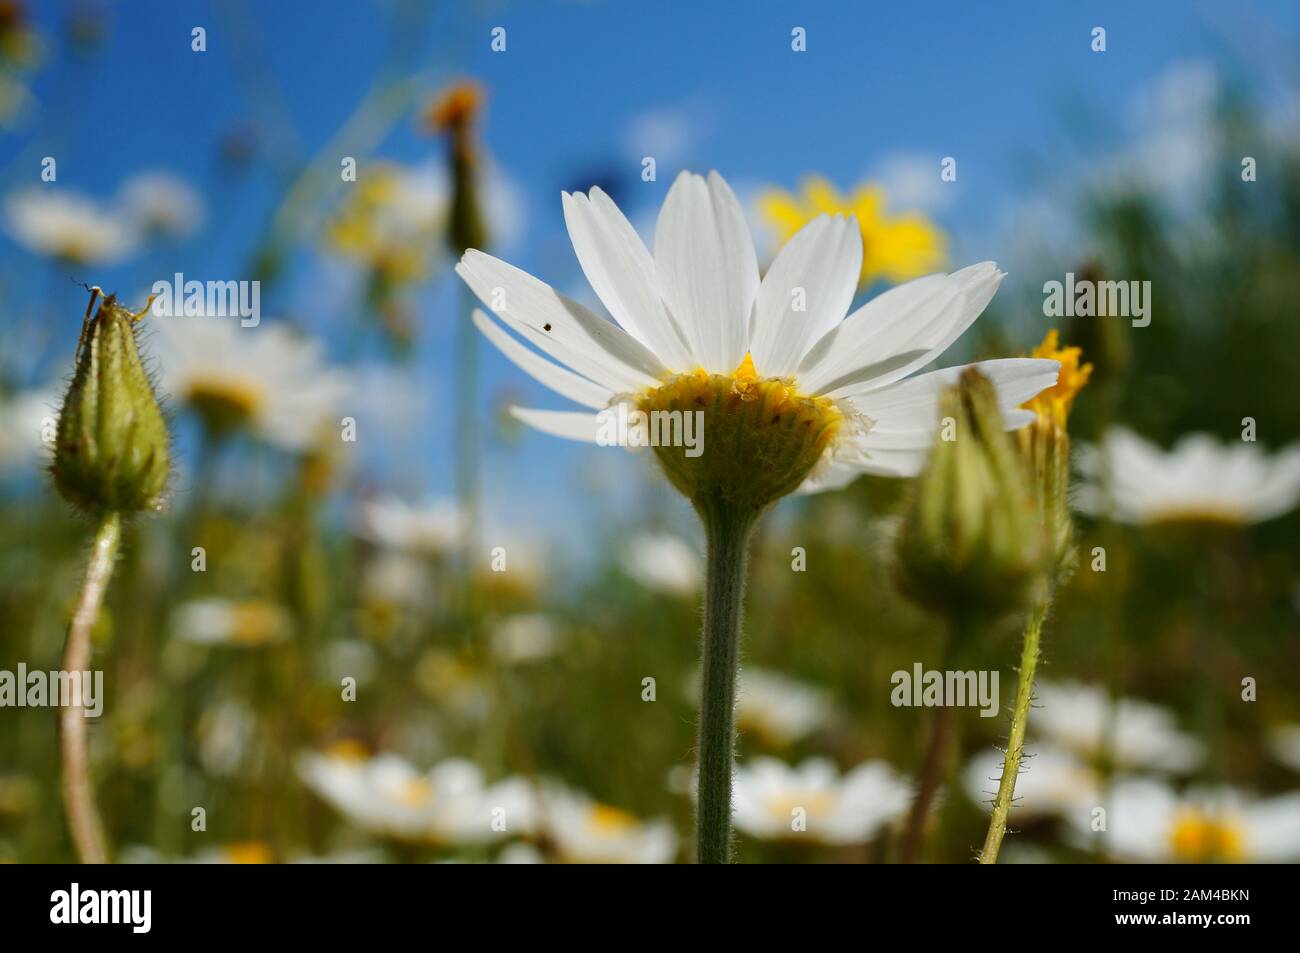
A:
931, 775
1029, 654
727, 532
78, 785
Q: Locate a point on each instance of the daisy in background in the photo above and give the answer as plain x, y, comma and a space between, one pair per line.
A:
162, 204
450, 805
524, 637
894, 248
1052, 782
787, 390
1199, 481
265, 380
585, 831
1149, 822
777, 709
775, 801
242, 623
432, 528
68, 226
1284, 743
24, 419
663, 562
1142, 736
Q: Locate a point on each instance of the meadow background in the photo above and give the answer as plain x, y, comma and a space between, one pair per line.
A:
1123, 164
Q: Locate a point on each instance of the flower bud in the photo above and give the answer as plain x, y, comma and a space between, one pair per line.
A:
111, 449
456, 113
970, 545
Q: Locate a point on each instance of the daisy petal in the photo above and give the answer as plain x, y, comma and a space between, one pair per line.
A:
564, 329
563, 382
805, 293
914, 402
570, 424
707, 268
896, 333
621, 272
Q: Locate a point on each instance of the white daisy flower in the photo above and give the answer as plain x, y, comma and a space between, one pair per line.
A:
1199, 480
1284, 743
67, 225
1052, 782
696, 327
584, 831
664, 563
773, 800
233, 622
1142, 735
432, 528
524, 637
1148, 822
778, 709
264, 378
161, 203
23, 420
449, 805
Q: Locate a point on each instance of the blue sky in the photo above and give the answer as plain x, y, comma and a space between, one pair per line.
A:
580, 92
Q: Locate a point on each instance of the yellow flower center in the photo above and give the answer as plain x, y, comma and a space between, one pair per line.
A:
1205, 516
1199, 838
756, 438
255, 623
348, 749
250, 852
1054, 403
225, 404
812, 803
413, 792
610, 821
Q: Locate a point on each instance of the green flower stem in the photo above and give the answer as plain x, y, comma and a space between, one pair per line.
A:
78, 786
727, 530
1016, 740
930, 777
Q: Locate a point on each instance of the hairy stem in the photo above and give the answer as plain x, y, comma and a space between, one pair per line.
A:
1016, 739
727, 531
78, 786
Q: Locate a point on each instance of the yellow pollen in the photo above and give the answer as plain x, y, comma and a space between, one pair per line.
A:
610, 821
1054, 403
759, 437
1198, 838
255, 623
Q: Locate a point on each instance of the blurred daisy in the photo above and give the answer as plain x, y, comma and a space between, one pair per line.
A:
244, 623
584, 831
698, 325
1199, 481
225, 737
432, 528
774, 800
392, 221
23, 420
777, 709
895, 248
264, 379
449, 805
1148, 822
160, 203
1142, 735
1051, 782
663, 563
69, 226
1284, 742
524, 637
